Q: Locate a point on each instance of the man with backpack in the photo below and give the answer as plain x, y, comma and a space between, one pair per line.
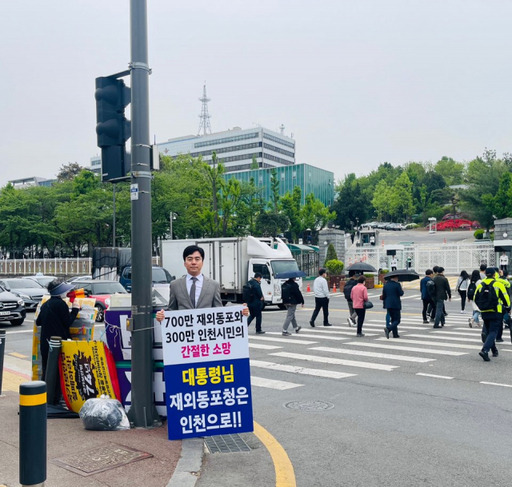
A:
292, 296
491, 297
253, 296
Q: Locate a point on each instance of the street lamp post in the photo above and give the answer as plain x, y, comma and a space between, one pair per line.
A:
172, 216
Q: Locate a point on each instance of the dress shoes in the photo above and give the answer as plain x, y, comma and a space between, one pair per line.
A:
495, 353
396, 336
485, 356
312, 323
327, 324
386, 331
261, 332
499, 340
360, 334
436, 326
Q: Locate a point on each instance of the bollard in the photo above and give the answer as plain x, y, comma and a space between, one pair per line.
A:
32, 439
52, 371
2, 351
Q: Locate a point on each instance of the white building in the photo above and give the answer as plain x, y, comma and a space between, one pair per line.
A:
236, 148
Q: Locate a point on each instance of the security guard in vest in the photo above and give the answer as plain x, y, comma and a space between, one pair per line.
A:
493, 318
506, 283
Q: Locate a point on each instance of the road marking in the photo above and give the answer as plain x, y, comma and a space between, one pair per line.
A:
280, 385
495, 384
285, 476
281, 340
263, 347
453, 345
325, 337
435, 376
407, 349
300, 370
337, 332
405, 358
335, 361
17, 332
17, 355
444, 337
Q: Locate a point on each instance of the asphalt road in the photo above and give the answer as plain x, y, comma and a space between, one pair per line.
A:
423, 409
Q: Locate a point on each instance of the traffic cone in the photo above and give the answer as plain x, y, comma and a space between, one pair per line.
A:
308, 289
334, 288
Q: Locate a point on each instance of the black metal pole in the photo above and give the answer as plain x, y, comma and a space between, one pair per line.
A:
2, 351
32, 432
142, 412
52, 371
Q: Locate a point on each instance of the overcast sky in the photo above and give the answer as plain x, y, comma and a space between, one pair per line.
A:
357, 82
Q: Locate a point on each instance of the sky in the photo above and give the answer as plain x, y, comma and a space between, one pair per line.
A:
355, 82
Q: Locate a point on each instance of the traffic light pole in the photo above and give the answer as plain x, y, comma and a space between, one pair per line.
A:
142, 412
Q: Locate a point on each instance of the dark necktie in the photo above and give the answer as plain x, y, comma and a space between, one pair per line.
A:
193, 291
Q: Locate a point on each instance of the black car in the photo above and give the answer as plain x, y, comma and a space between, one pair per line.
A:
30, 291
12, 308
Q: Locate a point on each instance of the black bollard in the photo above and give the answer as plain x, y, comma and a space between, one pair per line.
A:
52, 371
32, 439
2, 351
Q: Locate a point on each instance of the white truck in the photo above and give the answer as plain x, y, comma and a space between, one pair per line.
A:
232, 261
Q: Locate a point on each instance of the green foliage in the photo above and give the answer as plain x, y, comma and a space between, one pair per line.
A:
479, 233
334, 267
331, 253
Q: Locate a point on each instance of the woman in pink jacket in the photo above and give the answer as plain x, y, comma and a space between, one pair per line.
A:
359, 296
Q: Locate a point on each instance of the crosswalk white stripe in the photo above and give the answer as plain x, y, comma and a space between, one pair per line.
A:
281, 340
435, 376
264, 347
335, 361
332, 374
273, 384
406, 349
442, 337
436, 344
405, 358
323, 337
495, 384
346, 331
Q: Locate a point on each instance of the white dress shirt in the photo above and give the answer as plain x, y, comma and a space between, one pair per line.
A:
199, 285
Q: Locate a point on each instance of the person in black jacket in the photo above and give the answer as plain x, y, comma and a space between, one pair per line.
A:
443, 293
294, 298
255, 303
391, 293
55, 318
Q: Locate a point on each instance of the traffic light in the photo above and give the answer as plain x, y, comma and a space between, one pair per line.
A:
112, 97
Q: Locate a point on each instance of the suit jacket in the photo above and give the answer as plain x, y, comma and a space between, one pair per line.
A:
179, 298
391, 293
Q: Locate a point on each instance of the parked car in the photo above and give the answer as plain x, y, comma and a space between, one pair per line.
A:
100, 290
12, 308
41, 279
159, 275
75, 279
30, 291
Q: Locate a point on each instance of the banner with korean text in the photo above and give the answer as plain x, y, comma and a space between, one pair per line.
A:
207, 372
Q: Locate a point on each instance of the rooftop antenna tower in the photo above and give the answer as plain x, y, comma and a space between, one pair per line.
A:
204, 118
281, 129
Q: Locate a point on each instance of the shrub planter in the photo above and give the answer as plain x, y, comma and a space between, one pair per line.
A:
336, 280
370, 282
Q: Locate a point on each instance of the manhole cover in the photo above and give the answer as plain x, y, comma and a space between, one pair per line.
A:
99, 459
226, 444
309, 405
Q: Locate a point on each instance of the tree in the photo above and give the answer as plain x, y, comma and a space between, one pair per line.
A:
69, 171
351, 203
451, 171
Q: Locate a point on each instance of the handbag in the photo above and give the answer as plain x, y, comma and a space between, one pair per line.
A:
368, 305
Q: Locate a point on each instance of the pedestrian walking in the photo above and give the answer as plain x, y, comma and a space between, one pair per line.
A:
321, 291
473, 284
502, 278
394, 263
253, 296
391, 293
491, 297
291, 298
504, 262
483, 266
359, 296
428, 310
462, 288
443, 292
346, 292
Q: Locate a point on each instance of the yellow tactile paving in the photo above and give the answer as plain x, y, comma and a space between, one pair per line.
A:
12, 380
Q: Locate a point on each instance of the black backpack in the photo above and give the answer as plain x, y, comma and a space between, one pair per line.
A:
486, 298
248, 293
431, 289
348, 288
471, 291
286, 293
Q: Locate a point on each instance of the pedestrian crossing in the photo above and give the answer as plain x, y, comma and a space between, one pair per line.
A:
335, 353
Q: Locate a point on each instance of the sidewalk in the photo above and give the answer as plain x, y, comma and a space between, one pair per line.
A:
78, 457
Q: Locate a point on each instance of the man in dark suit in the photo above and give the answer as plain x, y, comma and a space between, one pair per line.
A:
193, 290
391, 293
255, 302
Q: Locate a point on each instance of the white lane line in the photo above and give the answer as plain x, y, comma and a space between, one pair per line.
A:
345, 331
437, 344
264, 347
380, 325
324, 337
443, 337
280, 385
281, 340
407, 349
435, 376
335, 361
9, 332
495, 384
405, 358
300, 370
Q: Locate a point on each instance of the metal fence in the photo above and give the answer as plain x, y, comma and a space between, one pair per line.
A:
51, 267
453, 257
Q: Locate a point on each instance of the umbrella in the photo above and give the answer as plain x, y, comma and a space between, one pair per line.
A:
403, 275
289, 274
361, 267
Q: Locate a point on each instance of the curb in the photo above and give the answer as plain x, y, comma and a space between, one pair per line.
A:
189, 465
